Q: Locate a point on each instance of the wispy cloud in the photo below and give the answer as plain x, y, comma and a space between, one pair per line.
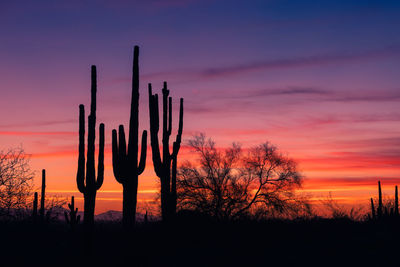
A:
288, 91
308, 61
190, 75
37, 123
27, 133
350, 181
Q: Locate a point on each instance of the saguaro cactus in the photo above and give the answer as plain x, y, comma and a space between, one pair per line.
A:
35, 206
42, 196
372, 209
72, 217
396, 201
87, 183
126, 166
380, 203
165, 168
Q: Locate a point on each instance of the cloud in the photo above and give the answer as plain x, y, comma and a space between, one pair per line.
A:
37, 123
289, 91
362, 96
191, 75
310, 61
28, 133
317, 183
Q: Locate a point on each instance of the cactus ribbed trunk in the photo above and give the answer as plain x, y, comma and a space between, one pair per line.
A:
87, 183
129, 205
42, 196
126, 165
162, 167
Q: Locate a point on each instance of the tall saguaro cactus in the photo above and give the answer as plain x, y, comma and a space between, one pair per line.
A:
42, 196
126, 165
87, 182
165, 168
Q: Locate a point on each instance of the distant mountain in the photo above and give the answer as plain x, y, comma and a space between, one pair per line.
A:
110, 215
58, 214
114, 216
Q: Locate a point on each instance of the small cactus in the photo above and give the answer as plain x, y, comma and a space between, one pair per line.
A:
42, 197
373, 209
35, 206
396, 201
380, 203
71, 217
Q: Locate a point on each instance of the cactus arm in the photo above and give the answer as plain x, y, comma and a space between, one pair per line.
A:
122, 144
115, 157
169, 116
154, 128
166, 134
100, 166
177, 143
180, 118
142, 162
157, 112
80, 176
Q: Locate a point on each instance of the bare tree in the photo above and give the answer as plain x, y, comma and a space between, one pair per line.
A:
16, 180
227, 184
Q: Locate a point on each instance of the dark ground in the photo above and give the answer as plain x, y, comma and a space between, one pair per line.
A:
204, 243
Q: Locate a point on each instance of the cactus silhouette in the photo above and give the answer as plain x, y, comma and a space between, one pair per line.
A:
126, 166
380, 203
87, 183
42, 196
71, 217
165, 168
396, 201
373, 214
35, 206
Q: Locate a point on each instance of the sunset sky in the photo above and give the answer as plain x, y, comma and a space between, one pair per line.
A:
319, 79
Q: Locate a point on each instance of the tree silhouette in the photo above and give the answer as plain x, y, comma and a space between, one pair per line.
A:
227, 184
126, 166
16, 180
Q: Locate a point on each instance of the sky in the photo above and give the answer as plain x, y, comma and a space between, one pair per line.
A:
318, 79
